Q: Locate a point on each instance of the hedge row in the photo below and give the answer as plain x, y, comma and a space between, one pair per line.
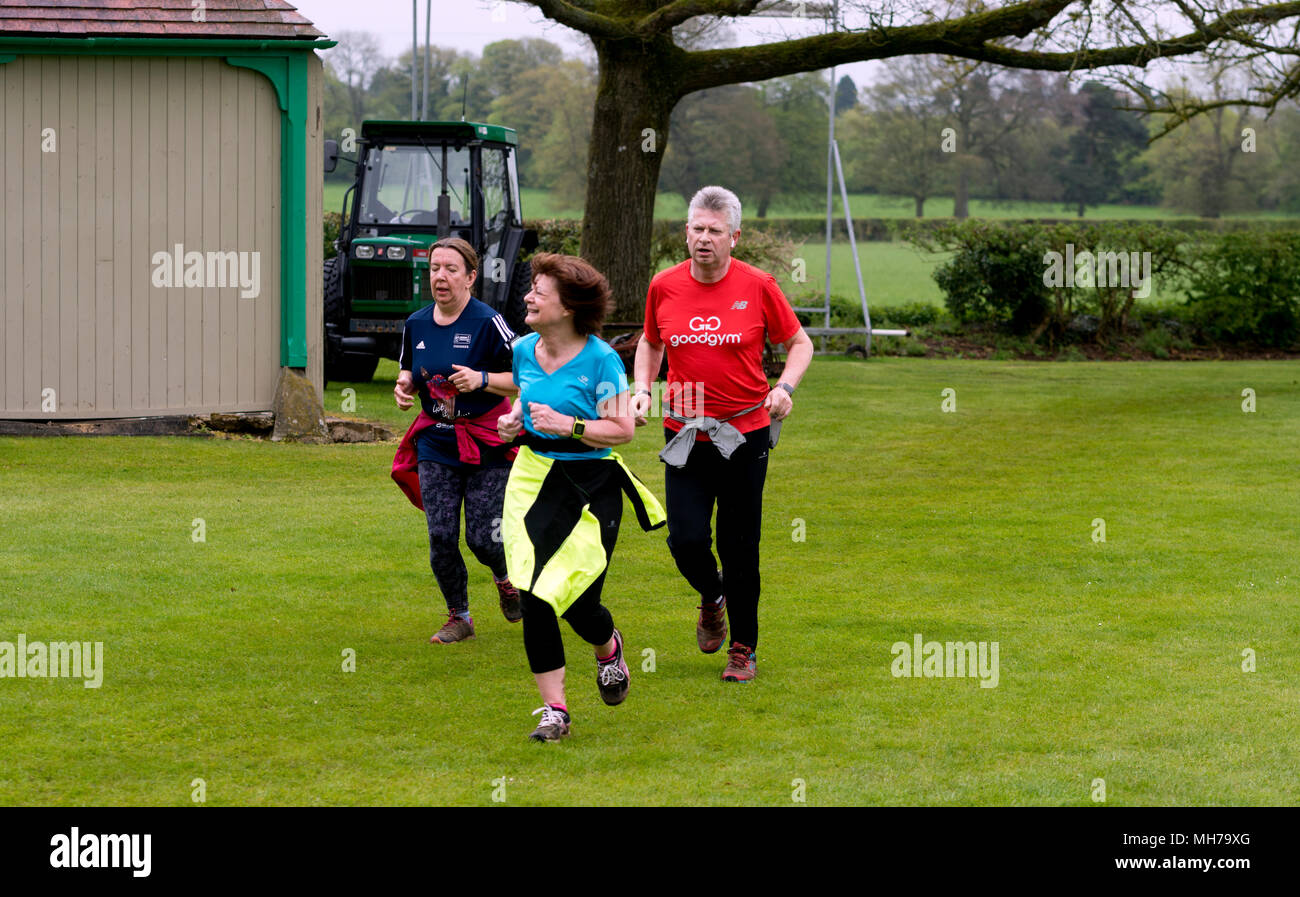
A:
1070, 281
884, 229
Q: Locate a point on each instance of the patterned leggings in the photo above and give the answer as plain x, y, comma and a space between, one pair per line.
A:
482, 490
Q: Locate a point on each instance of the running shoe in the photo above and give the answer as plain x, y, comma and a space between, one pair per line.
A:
611, 675
457, 628
509, 601
740, 664
711, 627
553, 726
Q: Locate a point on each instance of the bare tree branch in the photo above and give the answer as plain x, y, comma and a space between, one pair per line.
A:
584, 20
680, 11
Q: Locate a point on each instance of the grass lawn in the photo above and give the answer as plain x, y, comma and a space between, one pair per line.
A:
545, 204
1119, 660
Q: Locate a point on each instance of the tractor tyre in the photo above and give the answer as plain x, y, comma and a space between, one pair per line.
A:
340, 366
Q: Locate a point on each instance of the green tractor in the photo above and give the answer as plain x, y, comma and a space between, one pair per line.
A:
417, 182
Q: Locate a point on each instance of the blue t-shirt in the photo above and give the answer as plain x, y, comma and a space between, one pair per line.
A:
480, 339
594, 375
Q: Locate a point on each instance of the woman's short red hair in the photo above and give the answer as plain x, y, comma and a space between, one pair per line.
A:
583, 290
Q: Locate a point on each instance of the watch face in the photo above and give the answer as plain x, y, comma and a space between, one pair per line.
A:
579, 427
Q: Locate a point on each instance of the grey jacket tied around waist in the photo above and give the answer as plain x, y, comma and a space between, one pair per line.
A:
722, 434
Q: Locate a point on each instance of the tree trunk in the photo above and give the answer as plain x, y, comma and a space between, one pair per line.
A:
629, 133
920, 206
961, 198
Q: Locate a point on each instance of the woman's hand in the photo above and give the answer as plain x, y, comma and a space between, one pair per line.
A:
509, 425
466, 379
404, 391
549, 421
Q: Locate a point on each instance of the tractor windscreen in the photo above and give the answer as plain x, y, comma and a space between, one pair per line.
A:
402, 184
500, 206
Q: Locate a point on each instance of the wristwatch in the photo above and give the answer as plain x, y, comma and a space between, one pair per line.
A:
579, 427
786, 386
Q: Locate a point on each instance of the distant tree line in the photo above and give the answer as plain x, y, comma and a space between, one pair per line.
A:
935, 129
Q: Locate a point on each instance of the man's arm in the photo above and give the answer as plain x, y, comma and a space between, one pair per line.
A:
649, 358
798, 355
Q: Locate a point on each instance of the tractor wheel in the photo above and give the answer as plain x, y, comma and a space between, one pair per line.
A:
351, 367
355, 368
521, 281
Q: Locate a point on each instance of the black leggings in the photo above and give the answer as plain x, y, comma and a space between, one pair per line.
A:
482, 490
736, 485
589, 618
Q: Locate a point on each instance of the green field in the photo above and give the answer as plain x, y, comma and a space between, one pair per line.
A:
545, 204
1119, 660
893, 272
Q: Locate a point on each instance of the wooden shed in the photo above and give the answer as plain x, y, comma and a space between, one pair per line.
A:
160, 252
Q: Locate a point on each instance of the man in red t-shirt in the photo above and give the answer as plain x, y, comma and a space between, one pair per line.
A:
712, 314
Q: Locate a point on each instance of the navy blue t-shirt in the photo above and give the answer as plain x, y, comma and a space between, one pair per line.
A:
480, 339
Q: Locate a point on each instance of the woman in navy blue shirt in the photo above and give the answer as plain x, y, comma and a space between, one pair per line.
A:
565, 498
456, 359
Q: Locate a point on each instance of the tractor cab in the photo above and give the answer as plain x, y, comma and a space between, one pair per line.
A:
416, 183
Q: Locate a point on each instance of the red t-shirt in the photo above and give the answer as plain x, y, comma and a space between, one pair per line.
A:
714, 335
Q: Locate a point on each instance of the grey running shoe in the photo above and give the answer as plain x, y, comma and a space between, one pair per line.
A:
457, 628
611, 675
553, 726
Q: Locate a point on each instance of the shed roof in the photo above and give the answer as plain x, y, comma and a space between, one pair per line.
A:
264, 19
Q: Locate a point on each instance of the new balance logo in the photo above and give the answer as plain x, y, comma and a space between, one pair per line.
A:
739, 305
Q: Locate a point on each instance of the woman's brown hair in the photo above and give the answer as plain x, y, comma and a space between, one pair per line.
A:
462, 246
583, 290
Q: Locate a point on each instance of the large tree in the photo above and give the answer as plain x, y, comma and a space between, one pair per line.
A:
644, 72
354, 62
723, 134
1105, 138
900, 142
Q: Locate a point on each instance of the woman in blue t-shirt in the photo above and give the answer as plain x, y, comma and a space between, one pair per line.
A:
564, 500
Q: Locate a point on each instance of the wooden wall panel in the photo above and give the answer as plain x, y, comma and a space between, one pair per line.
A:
151, 152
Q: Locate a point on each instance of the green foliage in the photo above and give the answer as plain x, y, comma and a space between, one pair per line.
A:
557, 235
723, 136
1245, 288
996, 275
333, 223
908, 314
1099, 148
1201, 167
1014, 276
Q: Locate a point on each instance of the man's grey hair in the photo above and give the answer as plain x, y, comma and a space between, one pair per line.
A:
718, 199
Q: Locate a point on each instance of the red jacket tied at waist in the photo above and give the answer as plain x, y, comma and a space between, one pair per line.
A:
470, 433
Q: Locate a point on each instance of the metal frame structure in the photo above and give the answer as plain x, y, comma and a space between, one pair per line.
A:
834, 171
